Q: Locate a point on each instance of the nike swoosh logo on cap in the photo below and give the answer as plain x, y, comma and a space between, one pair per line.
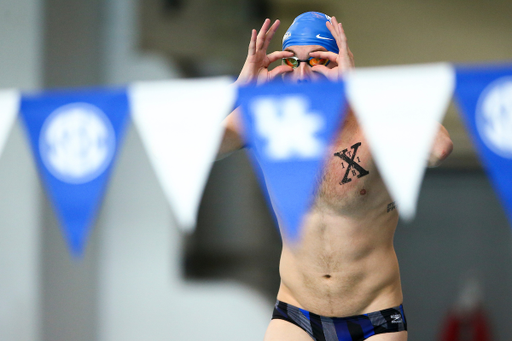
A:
320, 37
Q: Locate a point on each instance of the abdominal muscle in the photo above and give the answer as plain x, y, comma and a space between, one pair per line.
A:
338, 271
344, 263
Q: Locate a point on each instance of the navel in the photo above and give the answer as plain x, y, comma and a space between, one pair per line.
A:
327, 276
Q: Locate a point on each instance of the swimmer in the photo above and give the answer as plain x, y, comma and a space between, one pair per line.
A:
341, 281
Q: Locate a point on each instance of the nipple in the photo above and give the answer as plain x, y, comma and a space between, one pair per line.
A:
363, 192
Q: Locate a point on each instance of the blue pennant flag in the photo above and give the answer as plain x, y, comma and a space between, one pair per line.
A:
484, 95
75, 136
289, 129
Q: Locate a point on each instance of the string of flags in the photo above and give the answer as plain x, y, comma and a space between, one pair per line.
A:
76, 135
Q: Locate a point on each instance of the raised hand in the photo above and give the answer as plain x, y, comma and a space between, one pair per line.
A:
256, 65
344, 60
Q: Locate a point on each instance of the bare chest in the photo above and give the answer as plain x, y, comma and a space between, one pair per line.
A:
351, 182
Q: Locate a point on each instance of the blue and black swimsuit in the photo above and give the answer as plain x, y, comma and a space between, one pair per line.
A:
353, 328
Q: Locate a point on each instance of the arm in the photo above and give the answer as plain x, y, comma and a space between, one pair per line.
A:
441, 149
344, 61
255, 70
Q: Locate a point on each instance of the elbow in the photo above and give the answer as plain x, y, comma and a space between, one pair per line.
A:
448, 149
440, 153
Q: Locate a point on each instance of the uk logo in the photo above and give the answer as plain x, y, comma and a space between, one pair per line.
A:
494, 117
77, 143
289, 128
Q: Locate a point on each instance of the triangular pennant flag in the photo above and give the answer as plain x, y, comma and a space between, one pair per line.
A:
9, 107
484, 97
179, 122
399, 109
75, 136
289, 129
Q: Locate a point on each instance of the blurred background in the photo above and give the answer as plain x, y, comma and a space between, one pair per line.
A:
140, 279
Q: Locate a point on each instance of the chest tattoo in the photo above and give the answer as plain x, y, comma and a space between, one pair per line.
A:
353, 167
391, 206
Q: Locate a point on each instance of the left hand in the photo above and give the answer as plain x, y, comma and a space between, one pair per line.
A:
344, 60
255, 69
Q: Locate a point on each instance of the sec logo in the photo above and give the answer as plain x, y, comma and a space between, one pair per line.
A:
494, 117
77, 143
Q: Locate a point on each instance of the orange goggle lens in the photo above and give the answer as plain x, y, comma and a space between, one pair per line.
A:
294, 62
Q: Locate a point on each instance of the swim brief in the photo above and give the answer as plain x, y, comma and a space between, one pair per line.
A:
352, 328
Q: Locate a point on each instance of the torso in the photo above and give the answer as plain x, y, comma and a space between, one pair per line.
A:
345, 263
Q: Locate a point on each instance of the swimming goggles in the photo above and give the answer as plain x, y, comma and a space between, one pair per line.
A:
294, 62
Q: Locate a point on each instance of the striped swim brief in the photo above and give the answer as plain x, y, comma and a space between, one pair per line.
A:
352, 328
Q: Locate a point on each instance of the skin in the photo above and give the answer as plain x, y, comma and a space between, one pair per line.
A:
345, 263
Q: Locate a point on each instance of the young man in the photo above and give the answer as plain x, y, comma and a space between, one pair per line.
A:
341, 282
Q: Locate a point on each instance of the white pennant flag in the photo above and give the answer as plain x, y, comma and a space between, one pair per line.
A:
399, 109
180, 124
9, 107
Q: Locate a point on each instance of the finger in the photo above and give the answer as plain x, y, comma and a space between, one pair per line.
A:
341, 33
343, 46
270, 33
252, 43
334, 21
279, 70
272, 57
325, 54
261, 35
337, 31
332, 28
338, 27
335, 25
264, 28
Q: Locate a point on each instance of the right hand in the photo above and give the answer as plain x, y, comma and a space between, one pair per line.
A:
256, 65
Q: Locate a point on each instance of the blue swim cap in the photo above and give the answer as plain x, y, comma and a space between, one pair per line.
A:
309, 29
